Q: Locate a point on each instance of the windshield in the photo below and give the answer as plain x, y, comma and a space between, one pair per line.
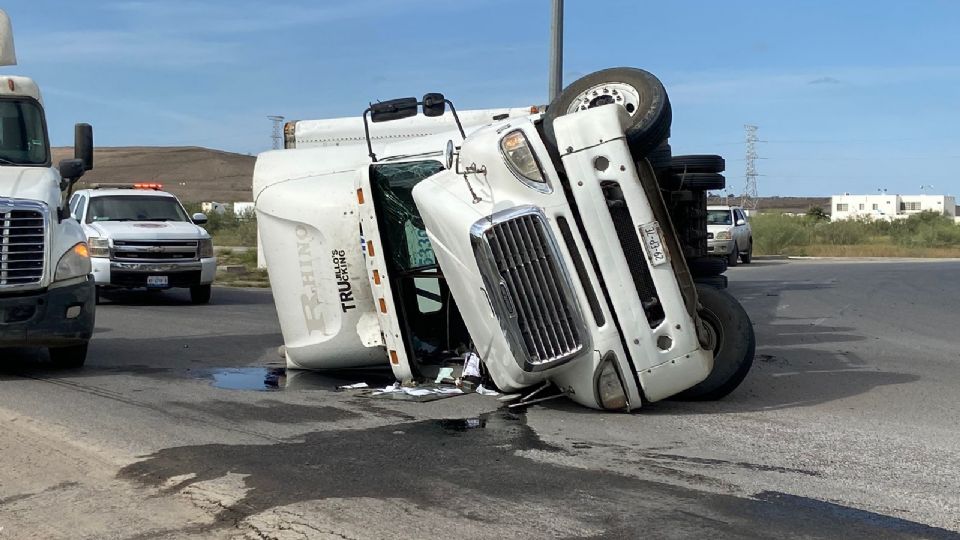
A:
400, 222
135, 208
23, 140
719, 217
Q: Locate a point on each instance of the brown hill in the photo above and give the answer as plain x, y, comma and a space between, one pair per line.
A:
191, 173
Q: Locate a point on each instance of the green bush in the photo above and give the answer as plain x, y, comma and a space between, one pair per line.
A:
774, 233
927, 229
228, 229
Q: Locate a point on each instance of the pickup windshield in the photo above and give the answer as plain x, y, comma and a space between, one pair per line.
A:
135, 208
719, 217
23, 140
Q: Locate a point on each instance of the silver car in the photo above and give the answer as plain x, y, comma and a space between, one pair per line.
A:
729, 234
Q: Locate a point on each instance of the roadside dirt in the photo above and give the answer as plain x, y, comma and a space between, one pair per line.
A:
59, 489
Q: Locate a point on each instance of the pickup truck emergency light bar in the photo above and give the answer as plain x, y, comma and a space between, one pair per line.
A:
138, 185
433, 104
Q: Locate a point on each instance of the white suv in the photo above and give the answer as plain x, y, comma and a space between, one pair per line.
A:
139, 236
729, 234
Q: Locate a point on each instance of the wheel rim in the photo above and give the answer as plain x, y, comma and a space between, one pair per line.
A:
622, 94
712, 324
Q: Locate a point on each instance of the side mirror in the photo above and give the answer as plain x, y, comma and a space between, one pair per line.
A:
434, 104
70, 171
199, 219
741, 222
83, 145
393, 109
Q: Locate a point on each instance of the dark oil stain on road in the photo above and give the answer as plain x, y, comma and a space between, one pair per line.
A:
449, 465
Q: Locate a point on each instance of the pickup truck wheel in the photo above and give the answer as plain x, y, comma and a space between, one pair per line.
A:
747, 255
68, 357
734, 254
734, 345
636, 90
200, 294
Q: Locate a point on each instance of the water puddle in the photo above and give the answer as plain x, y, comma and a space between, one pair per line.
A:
267, 379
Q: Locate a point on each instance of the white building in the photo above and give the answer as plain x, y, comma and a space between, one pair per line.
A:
889, 207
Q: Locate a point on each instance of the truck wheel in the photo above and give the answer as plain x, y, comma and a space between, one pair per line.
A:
636, 90
696, 181
200, 294
707, 266
706, 163
747, 255
73, 356
733, 345
734, 253
660, 158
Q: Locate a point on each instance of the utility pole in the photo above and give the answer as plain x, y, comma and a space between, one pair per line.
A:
556, 50
277, 131
749, 200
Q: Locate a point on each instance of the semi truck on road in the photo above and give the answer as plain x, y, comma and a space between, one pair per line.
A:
47, 295
543, 241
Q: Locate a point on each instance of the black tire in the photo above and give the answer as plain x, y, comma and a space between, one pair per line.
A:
735, 345
651, 115
747, 255
697, 164
97, 296
717, 282
696, 181
661, 158
707, 266
73, 356
734, 255
200, 294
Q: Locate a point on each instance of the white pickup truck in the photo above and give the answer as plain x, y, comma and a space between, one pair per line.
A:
140, 236
540, 241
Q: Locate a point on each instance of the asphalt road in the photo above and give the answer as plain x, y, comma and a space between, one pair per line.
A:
183, 425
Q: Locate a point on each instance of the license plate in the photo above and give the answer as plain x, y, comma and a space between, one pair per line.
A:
157, 281
653, 241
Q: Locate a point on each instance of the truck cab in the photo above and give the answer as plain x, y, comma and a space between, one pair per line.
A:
46, 291
539, 242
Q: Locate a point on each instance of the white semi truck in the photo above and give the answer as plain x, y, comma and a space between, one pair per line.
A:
47, 295
538, 240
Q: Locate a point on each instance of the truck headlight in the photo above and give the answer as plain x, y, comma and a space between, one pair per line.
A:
205, 248
610, 390
723, 235
99, 247
74, 263
524, 165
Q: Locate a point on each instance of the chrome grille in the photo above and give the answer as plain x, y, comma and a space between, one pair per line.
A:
22, 250
154, 250
530, 288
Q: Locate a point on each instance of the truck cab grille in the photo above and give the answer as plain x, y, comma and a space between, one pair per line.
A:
22, 246
529, 288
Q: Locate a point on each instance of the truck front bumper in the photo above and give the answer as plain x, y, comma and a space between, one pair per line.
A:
57, 316
109, 273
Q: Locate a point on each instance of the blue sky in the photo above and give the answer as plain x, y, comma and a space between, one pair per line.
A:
849, 96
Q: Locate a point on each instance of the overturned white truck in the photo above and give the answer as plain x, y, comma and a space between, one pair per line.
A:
541, 241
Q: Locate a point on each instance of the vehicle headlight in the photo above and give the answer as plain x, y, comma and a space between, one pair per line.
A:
205, 248
723, 235
99, 247
74, 263
610, 390
519, 157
